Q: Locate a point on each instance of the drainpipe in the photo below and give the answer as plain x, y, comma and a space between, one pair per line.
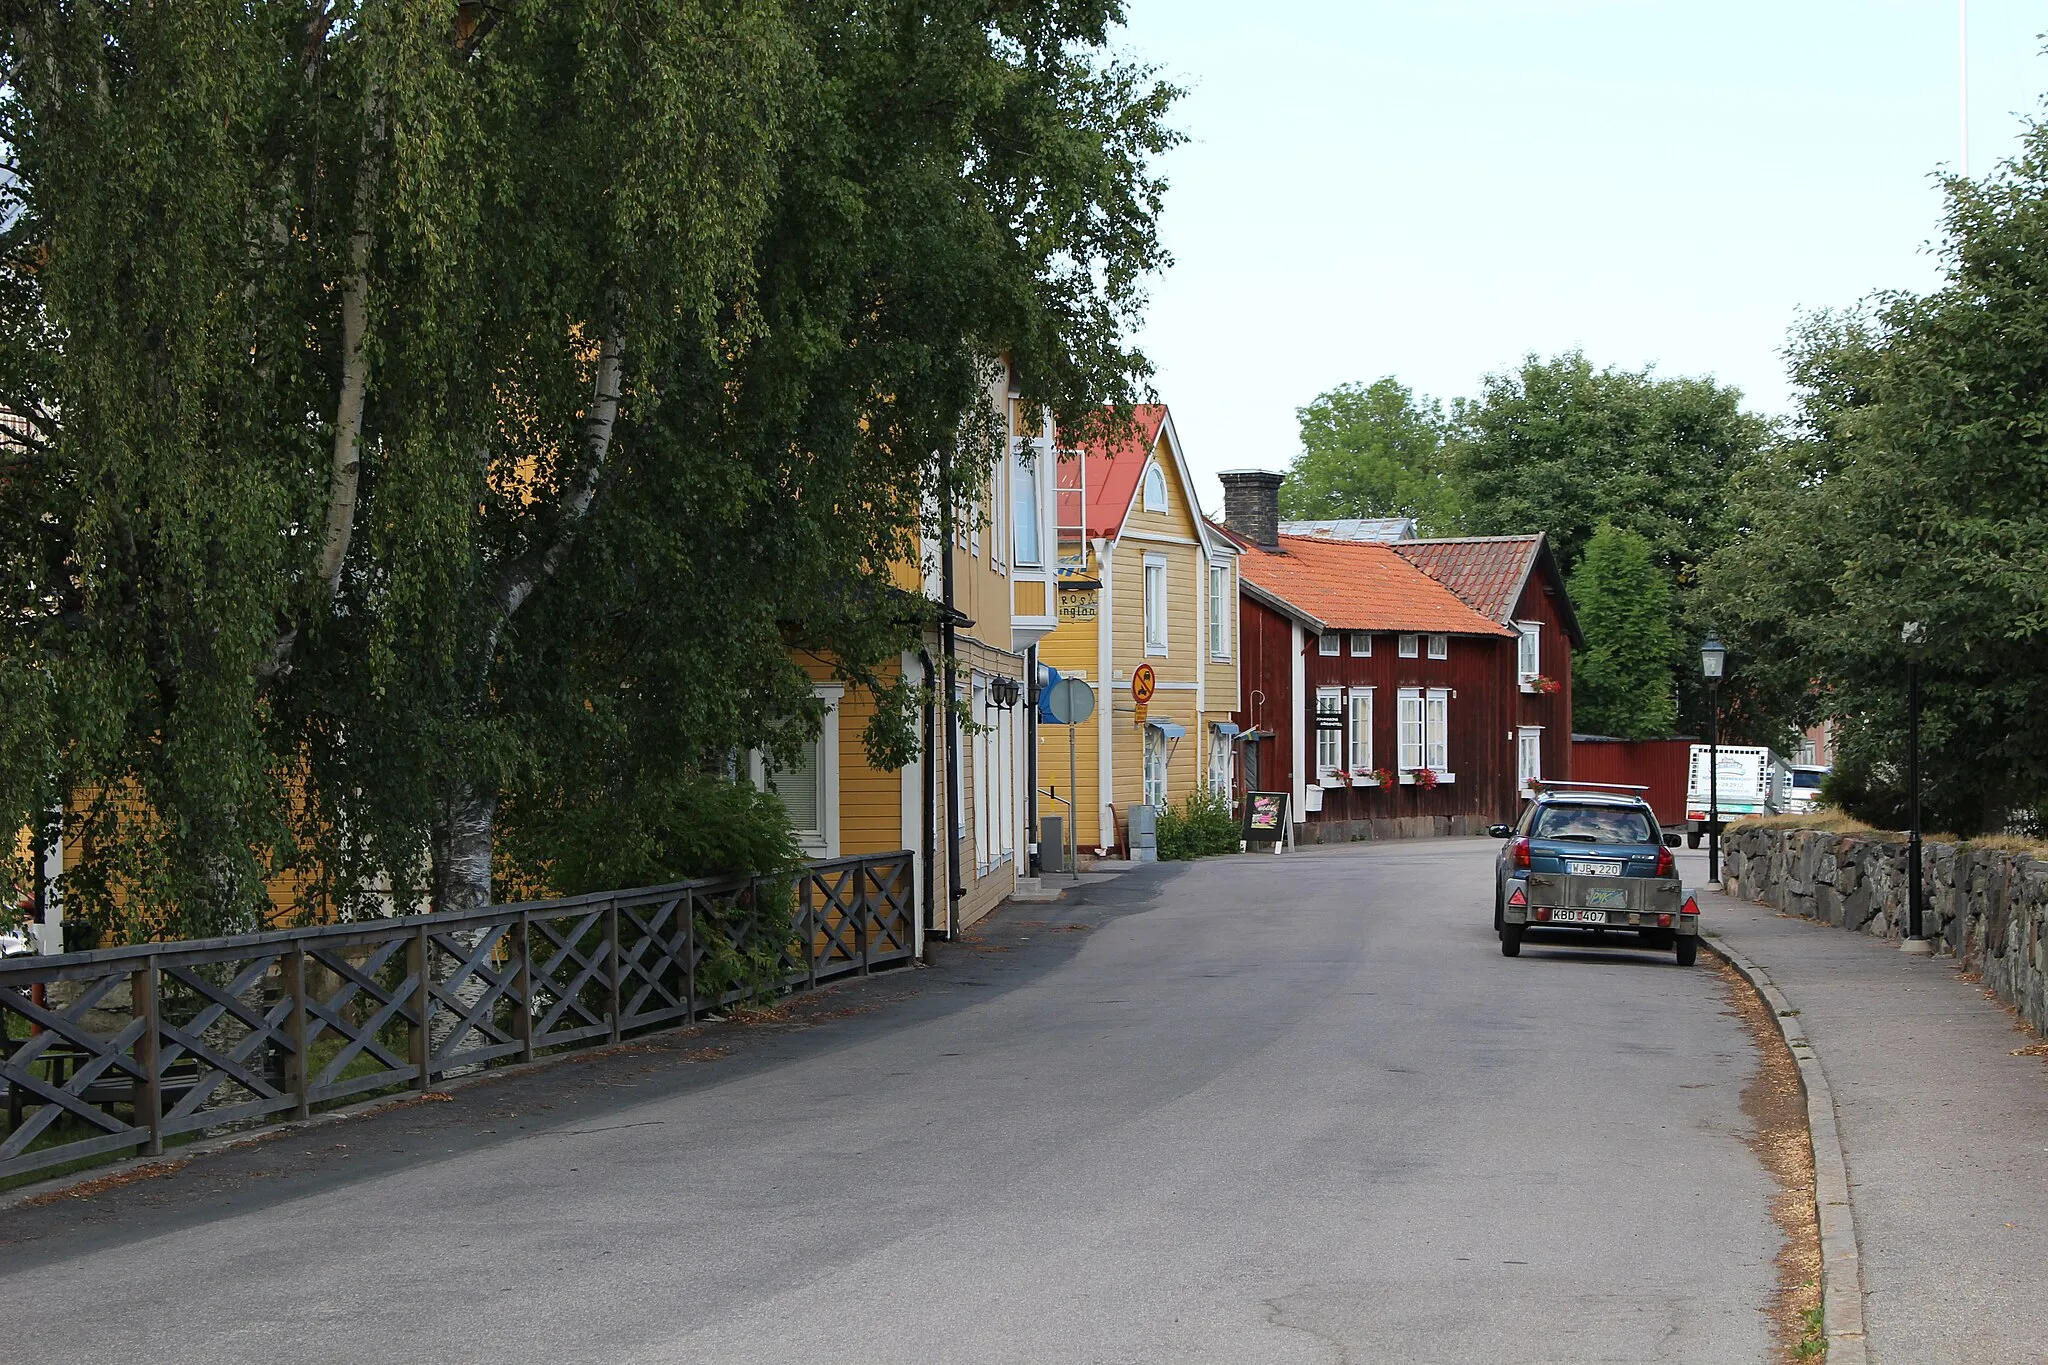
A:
927, 830
949, 640
1031, 752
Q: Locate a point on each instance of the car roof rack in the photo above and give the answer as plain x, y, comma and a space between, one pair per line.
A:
1551, 785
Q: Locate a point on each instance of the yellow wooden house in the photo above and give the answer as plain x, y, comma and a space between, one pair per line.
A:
963, 808
1143, 582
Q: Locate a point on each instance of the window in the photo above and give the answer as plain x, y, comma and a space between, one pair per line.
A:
1329, 730
1155, 769
1155, 604
1439, 646
1219, 763
1529, 744
1436, 728
809, 787
1155, 488
978, 773
1219, 611
1529, 650
1026, 541
1361, 732
1361, 645
1595, 824
1411, 646
1329, 644
1424, 730
1411, 728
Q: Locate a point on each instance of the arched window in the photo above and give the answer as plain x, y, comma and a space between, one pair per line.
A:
1155, 488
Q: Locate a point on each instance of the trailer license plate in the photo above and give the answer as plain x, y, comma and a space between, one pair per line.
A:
1579, 916
1590, 869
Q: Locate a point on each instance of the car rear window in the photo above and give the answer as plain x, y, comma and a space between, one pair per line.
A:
1593, 824
1807, 781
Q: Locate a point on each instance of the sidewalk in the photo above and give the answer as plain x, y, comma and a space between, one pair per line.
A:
1944, 1132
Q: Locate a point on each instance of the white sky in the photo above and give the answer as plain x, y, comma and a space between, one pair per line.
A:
1432, 188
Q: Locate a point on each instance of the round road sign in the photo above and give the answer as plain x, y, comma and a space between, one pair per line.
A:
1069, 701
1143, 684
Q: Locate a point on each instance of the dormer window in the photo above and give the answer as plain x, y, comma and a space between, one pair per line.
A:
1155, 488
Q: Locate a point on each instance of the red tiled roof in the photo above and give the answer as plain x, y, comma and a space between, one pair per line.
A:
1359, 585
1488, 572
1113, 469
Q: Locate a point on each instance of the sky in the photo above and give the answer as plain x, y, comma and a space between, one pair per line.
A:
1434, 188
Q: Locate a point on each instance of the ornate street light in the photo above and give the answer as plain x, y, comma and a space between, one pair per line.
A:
1912, 635
1713, 664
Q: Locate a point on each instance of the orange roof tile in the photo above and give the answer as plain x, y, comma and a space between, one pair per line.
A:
1490, 572
1360, 585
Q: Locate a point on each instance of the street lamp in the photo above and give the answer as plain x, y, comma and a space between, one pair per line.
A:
1713, 663
1911, 635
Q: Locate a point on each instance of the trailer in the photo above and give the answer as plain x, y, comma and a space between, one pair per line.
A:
1746, 781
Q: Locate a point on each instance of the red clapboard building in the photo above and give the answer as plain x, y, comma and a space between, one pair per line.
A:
1396, 688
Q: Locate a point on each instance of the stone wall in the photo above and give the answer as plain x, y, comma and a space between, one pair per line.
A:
1985, 907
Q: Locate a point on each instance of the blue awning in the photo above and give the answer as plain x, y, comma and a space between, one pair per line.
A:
1168, 728
1052, 675
1224, 728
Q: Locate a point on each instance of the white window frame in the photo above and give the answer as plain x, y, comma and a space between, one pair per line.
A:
1156, 602
1410, 647
1329, 644
1155, 484
1361, 644
977, 776
1359, 733
1529, 757
1410, 735
1027, 530
1220, 762
1436, 728
823, 841
1439, 646
1329, 743
1219, 611
1529, 651
1156, 795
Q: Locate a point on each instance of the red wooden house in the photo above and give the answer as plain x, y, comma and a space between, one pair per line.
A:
1404, 688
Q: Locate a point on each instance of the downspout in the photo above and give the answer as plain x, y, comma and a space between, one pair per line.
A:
1031, 753
927, 829
949, 641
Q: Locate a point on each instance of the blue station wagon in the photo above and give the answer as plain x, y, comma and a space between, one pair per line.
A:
1591, 860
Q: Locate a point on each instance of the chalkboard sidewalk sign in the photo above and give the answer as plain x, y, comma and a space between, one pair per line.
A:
1265, 818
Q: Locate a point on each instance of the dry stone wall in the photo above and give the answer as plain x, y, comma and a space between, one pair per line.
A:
1985, 907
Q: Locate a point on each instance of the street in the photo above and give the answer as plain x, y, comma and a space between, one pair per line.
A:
1292, 1108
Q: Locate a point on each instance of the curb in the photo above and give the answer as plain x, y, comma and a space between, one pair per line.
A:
1841, 1262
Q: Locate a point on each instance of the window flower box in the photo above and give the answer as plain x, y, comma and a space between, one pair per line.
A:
1427, 778
1383, 778
1541, 686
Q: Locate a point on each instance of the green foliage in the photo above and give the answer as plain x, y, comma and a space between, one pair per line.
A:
702, 825
1918, 492
1560, 447
1372, 450
793, 241
1621, 681
1199, 827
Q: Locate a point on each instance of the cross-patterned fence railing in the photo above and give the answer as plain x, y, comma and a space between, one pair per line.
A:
118, 1050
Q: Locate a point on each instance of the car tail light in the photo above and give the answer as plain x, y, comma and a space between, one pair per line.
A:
1518, 898
1663, 921
1542, 913
1518, 853
1667, 866
1695, 815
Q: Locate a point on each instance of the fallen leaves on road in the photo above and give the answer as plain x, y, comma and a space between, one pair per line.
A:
109, 1182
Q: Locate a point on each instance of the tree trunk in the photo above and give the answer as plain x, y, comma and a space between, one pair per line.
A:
463, 879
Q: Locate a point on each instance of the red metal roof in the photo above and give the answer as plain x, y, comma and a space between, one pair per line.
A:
1359, 585
1113, 469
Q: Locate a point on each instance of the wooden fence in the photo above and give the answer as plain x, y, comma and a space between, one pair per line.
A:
188, 1036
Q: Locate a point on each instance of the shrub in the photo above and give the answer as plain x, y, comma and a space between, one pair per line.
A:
1200, 826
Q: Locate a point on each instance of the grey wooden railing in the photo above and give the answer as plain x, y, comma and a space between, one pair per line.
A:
119, 1049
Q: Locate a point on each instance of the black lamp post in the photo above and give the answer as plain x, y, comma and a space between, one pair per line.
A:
1910, 635
1713, 663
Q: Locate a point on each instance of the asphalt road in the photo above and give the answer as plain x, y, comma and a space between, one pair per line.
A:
1261, 1109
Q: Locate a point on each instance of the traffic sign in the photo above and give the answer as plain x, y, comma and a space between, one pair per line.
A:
1144, 682
1069, 701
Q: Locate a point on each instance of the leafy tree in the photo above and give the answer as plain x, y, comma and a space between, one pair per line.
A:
1561, 447
431, 407
1372, 450
1918, 492
1621, 681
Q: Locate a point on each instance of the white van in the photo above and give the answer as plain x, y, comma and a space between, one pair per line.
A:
1747, 781
1804, 793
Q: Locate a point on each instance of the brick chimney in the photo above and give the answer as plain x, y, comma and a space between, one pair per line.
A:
1251, 505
